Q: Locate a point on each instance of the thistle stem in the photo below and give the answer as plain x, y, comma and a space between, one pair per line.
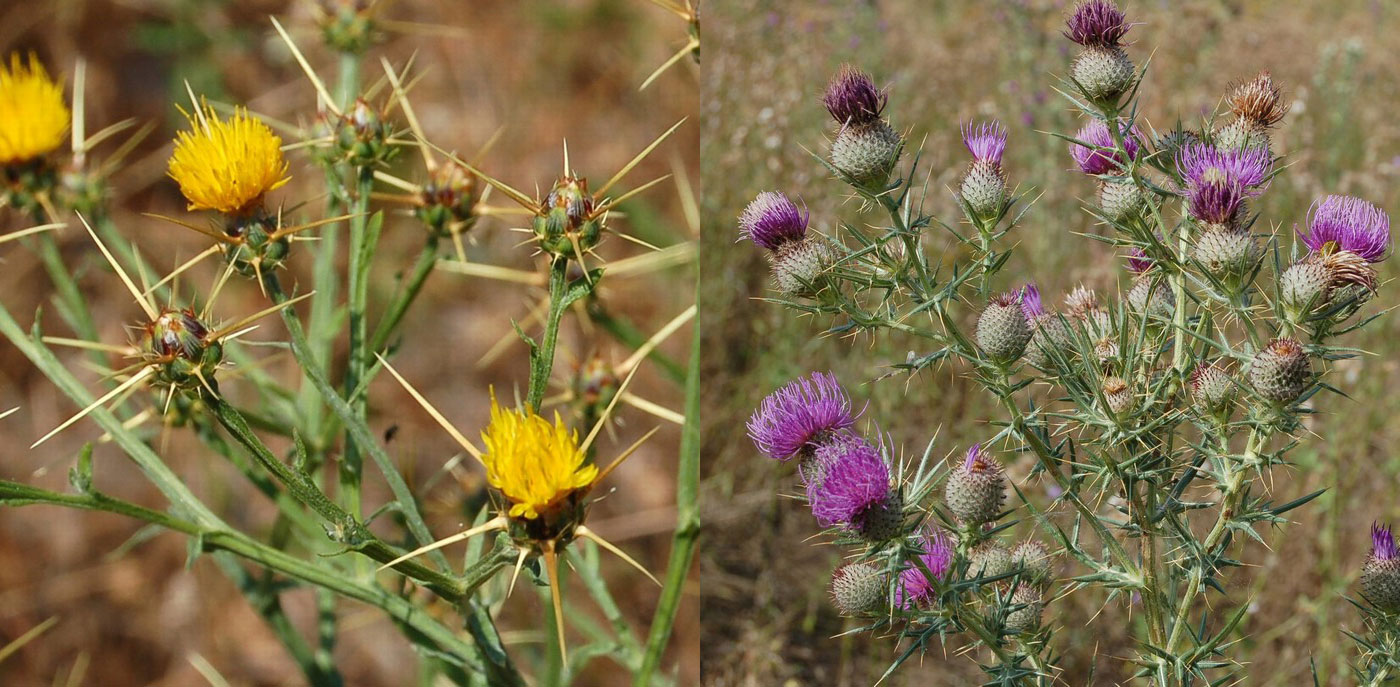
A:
364, 236
542, 357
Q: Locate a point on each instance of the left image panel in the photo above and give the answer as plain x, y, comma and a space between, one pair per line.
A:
347, 342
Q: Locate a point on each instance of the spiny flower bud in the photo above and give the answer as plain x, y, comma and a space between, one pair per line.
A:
983, 187
1380, 577
1240, 136
1050, 334
1280, 372
1304, 286
1103, 73
798, 266
772, 220
1027, 617
1259, 102
566, 226
866, 153
1118, 394
1002, 330
448, 196
976, 490
1120, 201
854, 490
1081, 302
1211, 388
989, 559
857, 588
852, 98
1151, 298
1101, 154
178, 344
1224, 252
362, 135
1034, 559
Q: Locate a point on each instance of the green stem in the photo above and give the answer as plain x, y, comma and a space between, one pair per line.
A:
687, 522
74, 307
363, 239
542, 357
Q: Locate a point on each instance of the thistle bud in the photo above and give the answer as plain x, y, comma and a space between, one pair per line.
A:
567, 226
798, 266
866, 153
1304, 286
1081, 301
1258, 103
1120, 201
1211, 388
1105, 74
989, 559
1027, 617
347, 25
983, 187
976, 490
1002, 330
362, 136
595, 383
1118, 394
1031, 556
857, 588
1380, 577
1050, 333
449, 196
1280, 372
1224, 253
178, 345
1151, 298
1240, 136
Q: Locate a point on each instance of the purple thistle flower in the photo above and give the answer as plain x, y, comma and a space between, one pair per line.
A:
1097, 23
852, 98
1216, 202
853, 480
986, 141
1201, 163
771, 220
1138, 262
1030, 301
1100, 156
803, 413
914, 586
1354, 225
1383, 543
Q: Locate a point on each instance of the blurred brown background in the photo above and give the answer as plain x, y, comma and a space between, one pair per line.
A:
766, 619
128, 611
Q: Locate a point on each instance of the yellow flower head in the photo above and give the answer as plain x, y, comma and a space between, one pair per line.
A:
535, 464
227, 165
33, 116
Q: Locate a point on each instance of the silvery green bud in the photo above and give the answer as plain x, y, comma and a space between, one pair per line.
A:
1305, 285
1280, 372
1051, 333
1152, 298
883, 523
1224, 252
866, 152
976, 490
1239, 135
857, 588
1211, 388
1002, 329
1026, 618
1105, 73
798, 265
1032, 556
1118, 394
989, 559
1121, 200
984, 189
1380, 577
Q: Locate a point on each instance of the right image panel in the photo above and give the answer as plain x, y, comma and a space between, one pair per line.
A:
1049, 343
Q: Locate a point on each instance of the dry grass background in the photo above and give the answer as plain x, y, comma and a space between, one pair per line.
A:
544, 70
765, 618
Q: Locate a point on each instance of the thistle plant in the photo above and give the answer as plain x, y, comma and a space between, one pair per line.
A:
1154, 419
233, 167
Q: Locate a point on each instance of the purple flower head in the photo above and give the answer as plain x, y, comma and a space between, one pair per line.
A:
854, 479
1138, 262
1100, 156
1030, 301
986, 141
852, 98
914, 586
1353, 224
798, 416
771, 220
1383, 543
1097, 23
1201, 163
1216, 202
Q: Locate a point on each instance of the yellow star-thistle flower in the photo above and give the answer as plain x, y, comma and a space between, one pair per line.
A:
533, 463
33, 117
227, 165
